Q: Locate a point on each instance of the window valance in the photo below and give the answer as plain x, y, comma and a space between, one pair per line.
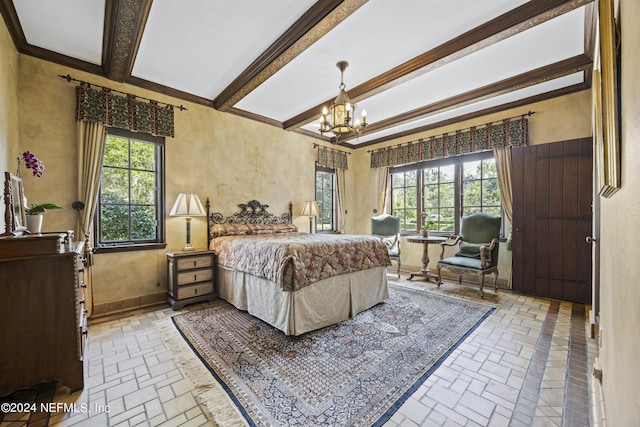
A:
123, 111
508, 132
330, 158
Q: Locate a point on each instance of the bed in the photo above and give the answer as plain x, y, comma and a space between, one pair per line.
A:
296, 282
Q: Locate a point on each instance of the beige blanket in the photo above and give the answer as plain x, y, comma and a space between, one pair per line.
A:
296, 260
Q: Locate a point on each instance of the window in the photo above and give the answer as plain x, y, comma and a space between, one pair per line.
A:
326, 198
131, 206
405, 199
480, 188
445, 190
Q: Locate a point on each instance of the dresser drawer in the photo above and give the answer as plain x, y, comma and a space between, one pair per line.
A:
194, 262
195, 290
194, 276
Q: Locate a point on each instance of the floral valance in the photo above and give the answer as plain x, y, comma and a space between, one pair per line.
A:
508, 132
330, 158
123, 111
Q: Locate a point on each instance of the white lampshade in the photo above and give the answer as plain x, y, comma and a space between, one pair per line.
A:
187, 204
310, 209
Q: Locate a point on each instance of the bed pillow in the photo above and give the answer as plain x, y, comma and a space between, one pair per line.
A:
272, 228
218, 230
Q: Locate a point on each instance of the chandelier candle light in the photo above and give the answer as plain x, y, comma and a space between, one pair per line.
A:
187, 205
339, 117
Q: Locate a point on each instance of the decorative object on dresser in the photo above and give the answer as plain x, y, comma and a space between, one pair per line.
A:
187, 205
190, 276
43, 321
14, 215
311, 210
35, 214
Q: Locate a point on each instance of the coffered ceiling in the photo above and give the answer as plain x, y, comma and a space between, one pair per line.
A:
414, 64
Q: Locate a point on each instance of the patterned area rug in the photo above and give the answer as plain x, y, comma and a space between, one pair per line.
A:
355, 373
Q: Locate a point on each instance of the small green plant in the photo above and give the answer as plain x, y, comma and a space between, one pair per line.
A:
428, 225
41, 208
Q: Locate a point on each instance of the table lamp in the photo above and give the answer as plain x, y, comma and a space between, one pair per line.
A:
187, 205
310, 209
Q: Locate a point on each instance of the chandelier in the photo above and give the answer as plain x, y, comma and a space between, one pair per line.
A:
339, 117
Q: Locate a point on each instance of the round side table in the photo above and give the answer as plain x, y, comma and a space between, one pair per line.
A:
425, 272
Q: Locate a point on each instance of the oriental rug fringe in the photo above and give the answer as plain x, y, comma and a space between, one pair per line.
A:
355, 373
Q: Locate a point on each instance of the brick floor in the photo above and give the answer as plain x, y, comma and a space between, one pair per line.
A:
526, 365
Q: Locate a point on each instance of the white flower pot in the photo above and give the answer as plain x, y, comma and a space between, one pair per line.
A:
34, 223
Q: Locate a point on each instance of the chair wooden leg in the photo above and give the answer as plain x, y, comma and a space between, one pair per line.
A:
495, 278
481, 285
439, 276
399, 268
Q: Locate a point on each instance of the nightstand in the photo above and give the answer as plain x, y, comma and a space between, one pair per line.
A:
190, 277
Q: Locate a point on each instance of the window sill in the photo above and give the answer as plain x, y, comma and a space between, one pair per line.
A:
129, 248
432, 233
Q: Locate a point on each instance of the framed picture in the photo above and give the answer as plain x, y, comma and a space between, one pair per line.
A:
607, 131
15, 216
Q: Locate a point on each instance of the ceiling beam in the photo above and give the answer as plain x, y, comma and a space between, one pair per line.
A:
470, 116
528, 15
124, 22
321, 18
521, 81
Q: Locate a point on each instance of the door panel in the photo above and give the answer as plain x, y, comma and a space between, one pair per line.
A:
552, 196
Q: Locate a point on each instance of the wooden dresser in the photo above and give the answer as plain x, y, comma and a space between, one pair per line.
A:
190, 276
43, 314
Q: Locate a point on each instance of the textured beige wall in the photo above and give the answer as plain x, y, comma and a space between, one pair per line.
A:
561, 118
620, 290
8, 109
224, 157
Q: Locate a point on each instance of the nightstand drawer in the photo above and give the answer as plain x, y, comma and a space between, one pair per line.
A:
194, 276
195, 290
194, 262
190, 277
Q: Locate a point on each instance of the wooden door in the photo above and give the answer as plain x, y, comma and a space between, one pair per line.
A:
552, 217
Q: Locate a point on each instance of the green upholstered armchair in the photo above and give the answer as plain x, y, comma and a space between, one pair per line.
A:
477, 253
387, 228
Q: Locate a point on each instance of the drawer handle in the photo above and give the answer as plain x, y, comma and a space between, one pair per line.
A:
195, 263
83, 285
195, 277
81, 302
195, 291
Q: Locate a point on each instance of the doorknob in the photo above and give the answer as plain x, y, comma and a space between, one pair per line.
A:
590, 239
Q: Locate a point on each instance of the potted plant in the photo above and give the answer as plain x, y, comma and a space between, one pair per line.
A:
34, 215
427, 224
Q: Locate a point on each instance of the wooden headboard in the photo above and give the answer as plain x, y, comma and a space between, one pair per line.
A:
252, 212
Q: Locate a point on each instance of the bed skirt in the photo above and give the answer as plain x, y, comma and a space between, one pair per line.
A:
313, 307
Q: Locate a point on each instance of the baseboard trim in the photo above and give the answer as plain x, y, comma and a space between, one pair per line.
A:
128, 304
